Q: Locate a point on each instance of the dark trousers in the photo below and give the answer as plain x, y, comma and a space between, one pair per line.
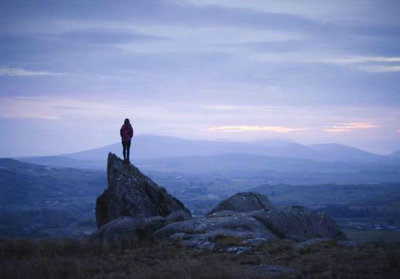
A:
126, 146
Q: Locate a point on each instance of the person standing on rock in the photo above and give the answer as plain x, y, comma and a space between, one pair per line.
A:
126, 133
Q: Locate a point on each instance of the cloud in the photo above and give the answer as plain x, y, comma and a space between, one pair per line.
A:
350, 126
379, 68
249, 128
22, 72
48, 107
346, 11
52, 108
375, 64
365, 59
107, 36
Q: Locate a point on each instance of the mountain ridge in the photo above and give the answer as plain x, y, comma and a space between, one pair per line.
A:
151, 149
148, 146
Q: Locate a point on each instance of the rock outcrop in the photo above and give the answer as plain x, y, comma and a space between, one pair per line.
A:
136, 229
132, 194
223, 230
135, 207
298, 223
246, 228
243, 202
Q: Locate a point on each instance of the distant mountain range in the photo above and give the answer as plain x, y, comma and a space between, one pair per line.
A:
151, 147
251, 164
278, 161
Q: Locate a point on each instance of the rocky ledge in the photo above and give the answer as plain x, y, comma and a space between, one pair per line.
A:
134, 207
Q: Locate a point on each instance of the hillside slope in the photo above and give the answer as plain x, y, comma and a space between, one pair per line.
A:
22, 183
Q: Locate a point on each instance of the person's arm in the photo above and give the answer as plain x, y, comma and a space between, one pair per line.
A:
131, 132
120, 132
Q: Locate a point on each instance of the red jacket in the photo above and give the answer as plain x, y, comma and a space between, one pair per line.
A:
126, 132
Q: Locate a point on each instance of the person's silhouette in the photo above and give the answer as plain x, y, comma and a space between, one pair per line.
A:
126, 133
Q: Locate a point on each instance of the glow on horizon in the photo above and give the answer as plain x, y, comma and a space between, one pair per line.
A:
250, 128
348, 127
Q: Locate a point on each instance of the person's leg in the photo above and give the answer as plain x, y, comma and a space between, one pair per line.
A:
128, 147
124, 150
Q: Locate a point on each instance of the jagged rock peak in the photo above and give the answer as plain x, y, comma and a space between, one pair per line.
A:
131, 193
244, 202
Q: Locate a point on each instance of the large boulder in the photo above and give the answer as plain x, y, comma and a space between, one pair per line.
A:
222, 230
135, 229
128, 228
132, 194
243, 202
246, 220
298, 223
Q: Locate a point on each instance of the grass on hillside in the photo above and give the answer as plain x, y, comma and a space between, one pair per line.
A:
84, 259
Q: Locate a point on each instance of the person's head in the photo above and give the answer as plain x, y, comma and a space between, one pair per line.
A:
126, 122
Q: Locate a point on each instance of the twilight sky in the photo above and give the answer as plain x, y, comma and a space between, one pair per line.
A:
312, 71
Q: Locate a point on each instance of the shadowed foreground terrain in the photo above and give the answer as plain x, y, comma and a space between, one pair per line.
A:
149, 259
